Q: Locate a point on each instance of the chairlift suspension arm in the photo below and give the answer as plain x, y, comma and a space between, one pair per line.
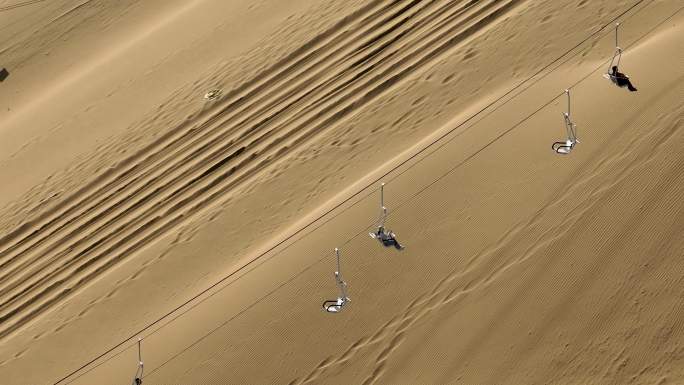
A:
137, 379
141, 366
617, 45
338, 275
335, 306
337, 252
569, 125
340, 282
618, 52
383, 210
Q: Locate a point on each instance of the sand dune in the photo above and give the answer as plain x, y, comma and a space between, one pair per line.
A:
139, 203
207, 227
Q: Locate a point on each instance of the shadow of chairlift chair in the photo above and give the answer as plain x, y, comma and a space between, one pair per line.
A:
336, 305
137, 379
615, 62
386, 237
566, 147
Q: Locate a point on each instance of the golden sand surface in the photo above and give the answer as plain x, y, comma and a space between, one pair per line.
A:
133, 206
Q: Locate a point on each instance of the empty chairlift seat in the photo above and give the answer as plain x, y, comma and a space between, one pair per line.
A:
565, 147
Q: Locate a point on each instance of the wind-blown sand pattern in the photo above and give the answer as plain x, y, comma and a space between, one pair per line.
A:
134, 207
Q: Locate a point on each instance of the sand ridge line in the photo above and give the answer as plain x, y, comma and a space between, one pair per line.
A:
187, 193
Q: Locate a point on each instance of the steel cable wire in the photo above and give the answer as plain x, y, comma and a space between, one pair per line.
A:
360, 197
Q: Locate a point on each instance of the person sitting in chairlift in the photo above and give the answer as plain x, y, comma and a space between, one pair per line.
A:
388, 238
620, 79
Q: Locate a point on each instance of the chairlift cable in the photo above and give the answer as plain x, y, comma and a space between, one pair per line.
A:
526, 118
398, 206
355, 195
326, 221
358, 193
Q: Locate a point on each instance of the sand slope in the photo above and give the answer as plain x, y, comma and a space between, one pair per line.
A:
521, 266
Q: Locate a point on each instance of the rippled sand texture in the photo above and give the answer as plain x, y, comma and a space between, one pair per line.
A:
131, 205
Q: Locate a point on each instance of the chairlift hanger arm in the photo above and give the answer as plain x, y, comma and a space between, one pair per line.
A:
337, 253
570, 128
137, 379
140, 351
618, 51
335, 305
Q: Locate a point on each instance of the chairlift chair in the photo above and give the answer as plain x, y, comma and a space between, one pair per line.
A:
137, 379
615, 61
336, 305
566, 146
385, 236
